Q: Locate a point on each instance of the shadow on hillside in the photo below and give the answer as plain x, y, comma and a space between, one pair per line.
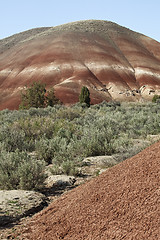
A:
7, 221
56, 191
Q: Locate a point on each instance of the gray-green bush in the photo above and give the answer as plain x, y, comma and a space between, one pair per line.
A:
65, 135
19, 171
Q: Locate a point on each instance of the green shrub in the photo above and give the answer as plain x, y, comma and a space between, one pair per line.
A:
156, 98
68, 113
45, 149
56, 170
69, 168
19, 171
36, 127
63, 135
13, 138
53, 150
31, 175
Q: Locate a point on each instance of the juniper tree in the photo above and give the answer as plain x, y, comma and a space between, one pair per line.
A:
51, 99
84, 96
37, 96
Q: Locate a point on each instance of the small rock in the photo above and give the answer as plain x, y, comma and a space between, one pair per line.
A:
101, 161
59, 181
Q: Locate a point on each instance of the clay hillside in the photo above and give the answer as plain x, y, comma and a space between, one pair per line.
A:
114, 62
122, 203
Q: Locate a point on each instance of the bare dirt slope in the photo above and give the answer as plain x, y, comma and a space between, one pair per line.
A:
114, 62
122, 203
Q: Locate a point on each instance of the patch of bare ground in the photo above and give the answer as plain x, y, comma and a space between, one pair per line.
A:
121, 203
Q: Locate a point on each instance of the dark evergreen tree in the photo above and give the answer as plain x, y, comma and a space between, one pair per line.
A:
51, 99
37, 96
84, 97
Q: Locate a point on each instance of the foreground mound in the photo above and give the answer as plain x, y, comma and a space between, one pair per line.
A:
114, 62
122, 203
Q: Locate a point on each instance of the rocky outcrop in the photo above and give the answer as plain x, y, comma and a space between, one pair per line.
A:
15, 204
115, 63
59, 181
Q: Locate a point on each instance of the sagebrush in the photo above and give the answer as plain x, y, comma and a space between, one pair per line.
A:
64, 136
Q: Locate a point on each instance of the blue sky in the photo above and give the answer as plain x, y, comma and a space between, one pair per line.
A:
139, 15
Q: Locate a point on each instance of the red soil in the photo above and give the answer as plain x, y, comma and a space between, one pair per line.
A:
122, 203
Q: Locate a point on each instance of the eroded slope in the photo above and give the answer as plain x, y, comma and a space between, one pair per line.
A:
115, 63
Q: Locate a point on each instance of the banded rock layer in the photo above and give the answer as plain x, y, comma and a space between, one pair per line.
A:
114, 62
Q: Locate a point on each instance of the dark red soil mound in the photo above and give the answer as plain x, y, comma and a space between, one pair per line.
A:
122, 203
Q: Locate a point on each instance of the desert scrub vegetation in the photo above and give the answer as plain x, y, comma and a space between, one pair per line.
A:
19, 171
64, 136
156, 99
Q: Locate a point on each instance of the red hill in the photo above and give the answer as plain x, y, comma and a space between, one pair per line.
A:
114, 62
